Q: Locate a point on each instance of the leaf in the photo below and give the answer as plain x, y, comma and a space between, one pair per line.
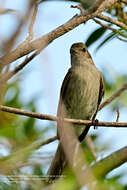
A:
95, 36
108, 38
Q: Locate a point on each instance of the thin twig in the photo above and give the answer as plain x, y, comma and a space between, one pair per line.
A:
115, 95
79, 6
53, 118
7, 76
112, 21
10, 42
8, 11
118, 115
92, 9
110, 28
97, 4
30, 37
8, 162
42, 143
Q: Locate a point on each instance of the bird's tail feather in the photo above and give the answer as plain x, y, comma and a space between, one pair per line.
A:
59, 161
57, 165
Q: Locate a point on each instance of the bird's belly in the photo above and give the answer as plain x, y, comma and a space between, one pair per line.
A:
82, 97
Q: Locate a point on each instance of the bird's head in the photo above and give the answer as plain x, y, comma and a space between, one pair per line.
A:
80, 53
78, 48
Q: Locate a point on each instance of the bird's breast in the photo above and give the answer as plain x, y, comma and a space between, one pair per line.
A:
82, 92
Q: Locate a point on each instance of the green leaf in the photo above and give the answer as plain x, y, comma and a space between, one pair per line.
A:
95, 36
108, 38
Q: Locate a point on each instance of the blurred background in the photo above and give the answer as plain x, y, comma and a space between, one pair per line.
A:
37, 87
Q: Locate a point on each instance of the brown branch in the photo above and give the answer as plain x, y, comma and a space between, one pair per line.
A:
113, 21
42, 143
28, 113
92, 9
115, 95
30, 37
105, 5
79, 6
6, 76
45, 40
118, 115
95, 6
110, 28
10, 42
7, 11
53, 118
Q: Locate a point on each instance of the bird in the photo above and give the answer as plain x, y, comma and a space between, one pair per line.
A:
81, 93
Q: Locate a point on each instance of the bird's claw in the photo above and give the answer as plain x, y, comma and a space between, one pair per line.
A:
95, 122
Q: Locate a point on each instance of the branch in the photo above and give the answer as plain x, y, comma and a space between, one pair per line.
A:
30, 37
115, 95
45, 40
6, 76
16, 159
113, 21
93, 7
118, 115
42, 143
102, 167
53, 118
10, 42
110, 28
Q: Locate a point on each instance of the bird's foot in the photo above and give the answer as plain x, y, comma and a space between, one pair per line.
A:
94, 123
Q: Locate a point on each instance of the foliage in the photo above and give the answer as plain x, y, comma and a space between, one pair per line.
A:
17, 133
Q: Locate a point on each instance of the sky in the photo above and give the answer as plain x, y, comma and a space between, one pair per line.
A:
44, 75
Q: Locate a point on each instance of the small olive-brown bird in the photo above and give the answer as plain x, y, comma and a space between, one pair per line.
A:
81, 94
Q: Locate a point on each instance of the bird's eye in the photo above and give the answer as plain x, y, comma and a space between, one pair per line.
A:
84, 49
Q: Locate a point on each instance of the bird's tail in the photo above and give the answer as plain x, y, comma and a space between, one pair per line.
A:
57, 165
59, 161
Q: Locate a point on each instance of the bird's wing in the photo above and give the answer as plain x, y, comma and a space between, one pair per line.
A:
63, 91
102, 89
101, 95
